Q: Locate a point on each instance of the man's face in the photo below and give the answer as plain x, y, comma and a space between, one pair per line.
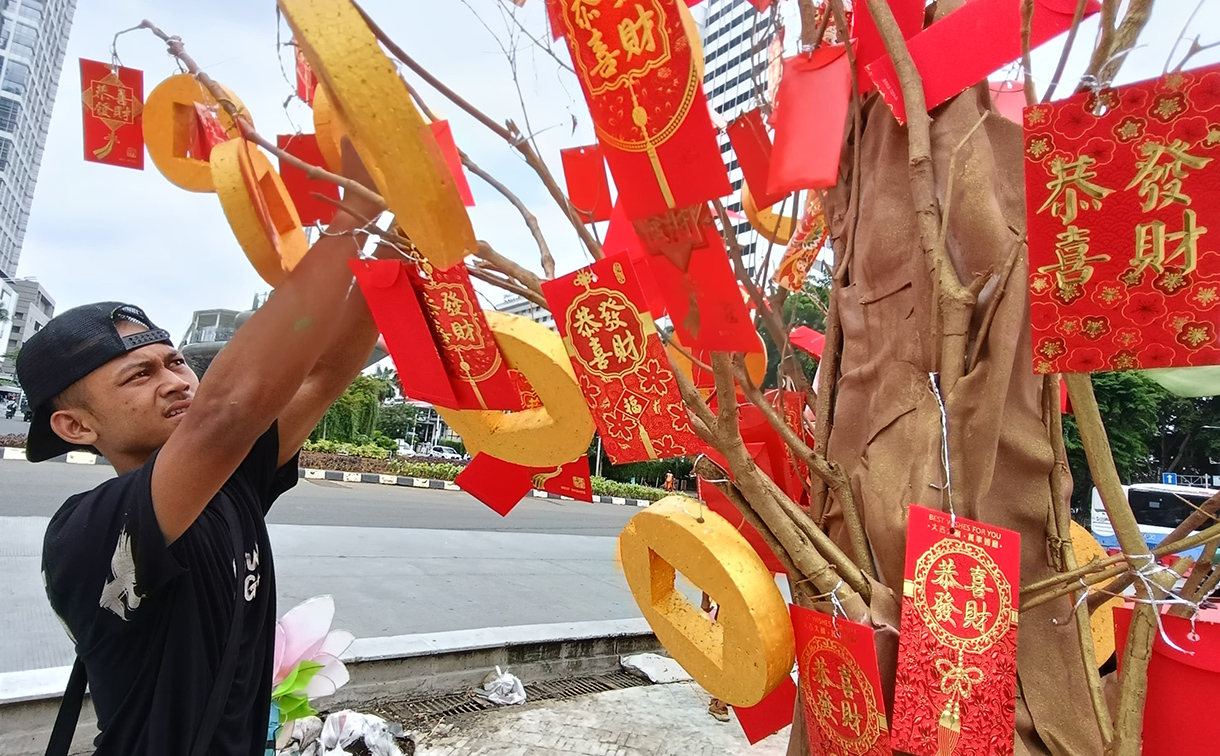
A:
134, 402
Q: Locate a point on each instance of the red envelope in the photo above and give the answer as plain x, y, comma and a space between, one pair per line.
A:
584, 171
719, 503
752, 147
965, 46
391, 298
704, 304
302, 188
444, 140
867, 40
500, 484
843, 702
769, 715
1178, 683
808, 341
957, 656
210, 132
622, 238
620, 362
810, 119
1008, 97
112, 101
306, 81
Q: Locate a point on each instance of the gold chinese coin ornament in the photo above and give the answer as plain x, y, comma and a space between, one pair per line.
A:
169, 123
397, 147
768, 223
551, 435
748, 650
1101, 621
258, 208
329, 128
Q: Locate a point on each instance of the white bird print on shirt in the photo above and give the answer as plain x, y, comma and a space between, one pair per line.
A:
119, 595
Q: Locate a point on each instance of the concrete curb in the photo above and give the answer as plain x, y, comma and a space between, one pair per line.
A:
86, 458
400, 667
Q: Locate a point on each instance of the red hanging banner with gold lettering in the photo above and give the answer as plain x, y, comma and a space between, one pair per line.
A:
478, 373
843, 702
804, 246
620, 362
644, 89
957, 656
113, 105
1123, 205
501, 484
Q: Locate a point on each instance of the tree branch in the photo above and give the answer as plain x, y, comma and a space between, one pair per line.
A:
1067, 49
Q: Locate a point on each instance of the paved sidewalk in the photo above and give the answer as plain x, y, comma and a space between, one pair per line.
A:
653, 720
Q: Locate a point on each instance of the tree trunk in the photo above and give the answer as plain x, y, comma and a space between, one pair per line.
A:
887, 423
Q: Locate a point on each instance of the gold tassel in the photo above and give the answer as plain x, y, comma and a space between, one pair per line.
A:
949, 729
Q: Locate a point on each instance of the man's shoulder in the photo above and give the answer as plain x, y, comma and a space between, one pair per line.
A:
85, 514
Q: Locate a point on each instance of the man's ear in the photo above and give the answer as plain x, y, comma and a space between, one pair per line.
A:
74, 426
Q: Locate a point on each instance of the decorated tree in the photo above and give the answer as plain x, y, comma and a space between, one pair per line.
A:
921, 481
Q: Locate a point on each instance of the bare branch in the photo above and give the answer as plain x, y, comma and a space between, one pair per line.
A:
1067, 49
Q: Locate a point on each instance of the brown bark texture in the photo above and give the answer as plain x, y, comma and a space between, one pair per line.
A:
887, 423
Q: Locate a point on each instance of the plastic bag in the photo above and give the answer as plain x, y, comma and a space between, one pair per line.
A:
504, 689
344, 728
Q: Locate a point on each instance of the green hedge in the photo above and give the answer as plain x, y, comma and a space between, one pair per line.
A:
325, 446
433, 470
604, 487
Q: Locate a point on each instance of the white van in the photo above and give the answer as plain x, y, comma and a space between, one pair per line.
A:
1158, 509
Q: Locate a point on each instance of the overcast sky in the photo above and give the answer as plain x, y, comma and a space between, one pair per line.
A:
100, 232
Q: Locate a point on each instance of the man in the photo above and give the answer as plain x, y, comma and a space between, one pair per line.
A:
163, 575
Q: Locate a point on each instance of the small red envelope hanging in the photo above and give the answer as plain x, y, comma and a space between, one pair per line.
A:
752, 147
962, 48
688, 262
477, 370
584, 171
957, 656
444, 139
769, 715
209, 132
843, 702
810, 119
620, 362
387, 289
719, 503
501, 485
621, 238
1179, 679
302, 188
306, 81
809, 341
112, 100
867, 40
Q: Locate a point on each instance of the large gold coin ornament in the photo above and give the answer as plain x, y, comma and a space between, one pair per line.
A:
551, 435
259, 209
396, 145
169, 119
1101, 621
329, 127
748, 650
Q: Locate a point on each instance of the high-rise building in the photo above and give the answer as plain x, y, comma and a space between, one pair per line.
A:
33, 38
735, 38
515, 305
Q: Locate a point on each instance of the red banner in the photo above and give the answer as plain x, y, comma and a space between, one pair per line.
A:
477, 371
867, 40
804, 247
1122, 188
112, 100
302, 188
843, 703
957, 657
620, 362
643, 87
584, 171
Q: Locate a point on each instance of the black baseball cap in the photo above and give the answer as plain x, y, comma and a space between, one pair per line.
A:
69, 347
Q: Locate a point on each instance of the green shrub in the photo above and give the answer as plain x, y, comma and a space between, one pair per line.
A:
327, 446
433, 470
604, 487
384, 441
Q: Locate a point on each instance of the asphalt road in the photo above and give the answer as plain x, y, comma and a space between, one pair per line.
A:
397, 560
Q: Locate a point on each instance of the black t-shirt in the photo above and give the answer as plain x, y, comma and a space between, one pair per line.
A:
151, 621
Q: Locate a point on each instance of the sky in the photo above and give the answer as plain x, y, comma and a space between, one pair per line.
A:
100, 232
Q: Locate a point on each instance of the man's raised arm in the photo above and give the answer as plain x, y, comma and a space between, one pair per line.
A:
257, 374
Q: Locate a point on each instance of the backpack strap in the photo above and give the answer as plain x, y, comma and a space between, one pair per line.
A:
69, 712
228, 663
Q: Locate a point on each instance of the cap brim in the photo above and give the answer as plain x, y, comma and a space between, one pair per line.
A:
41, 443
